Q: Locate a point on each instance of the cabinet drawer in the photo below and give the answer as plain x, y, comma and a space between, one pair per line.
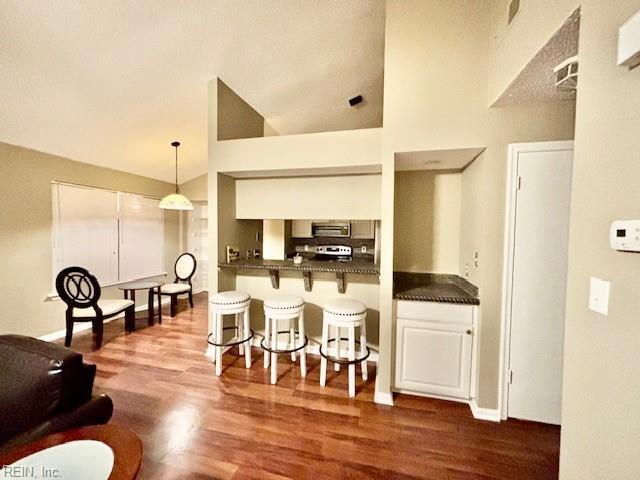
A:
435, 312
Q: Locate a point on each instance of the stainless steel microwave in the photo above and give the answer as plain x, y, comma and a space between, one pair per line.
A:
331, 229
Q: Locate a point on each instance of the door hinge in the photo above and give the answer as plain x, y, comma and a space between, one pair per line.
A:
519, 183
510, 377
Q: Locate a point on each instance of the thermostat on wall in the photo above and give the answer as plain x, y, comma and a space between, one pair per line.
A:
625, 235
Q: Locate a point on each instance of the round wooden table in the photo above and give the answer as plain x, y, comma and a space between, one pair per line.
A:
153, 287
126, 446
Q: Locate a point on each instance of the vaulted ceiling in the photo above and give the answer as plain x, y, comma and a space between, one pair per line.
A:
113, 82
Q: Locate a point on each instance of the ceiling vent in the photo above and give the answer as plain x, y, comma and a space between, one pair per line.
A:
567, 75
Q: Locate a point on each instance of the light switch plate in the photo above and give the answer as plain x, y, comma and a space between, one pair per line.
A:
599, 295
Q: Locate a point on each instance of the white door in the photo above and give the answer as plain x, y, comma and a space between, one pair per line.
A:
540, 231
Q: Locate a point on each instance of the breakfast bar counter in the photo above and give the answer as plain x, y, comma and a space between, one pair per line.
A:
307, 267
354, 266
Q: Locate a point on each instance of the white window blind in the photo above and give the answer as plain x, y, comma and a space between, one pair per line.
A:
116, 236
141, 237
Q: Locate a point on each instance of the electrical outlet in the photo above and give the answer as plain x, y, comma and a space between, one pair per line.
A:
475, 260
363, 249
466, 269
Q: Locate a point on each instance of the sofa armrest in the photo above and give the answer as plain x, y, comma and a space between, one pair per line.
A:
97, 410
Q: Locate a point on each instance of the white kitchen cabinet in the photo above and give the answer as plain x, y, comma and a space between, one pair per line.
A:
301, 229
364, 229
434, 347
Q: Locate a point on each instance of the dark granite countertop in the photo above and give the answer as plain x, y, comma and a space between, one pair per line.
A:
358, 267
430, 287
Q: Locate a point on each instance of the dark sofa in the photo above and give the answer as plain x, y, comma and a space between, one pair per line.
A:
45, 388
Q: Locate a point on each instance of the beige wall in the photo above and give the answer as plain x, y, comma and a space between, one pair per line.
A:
25, 232
435, 74
601, 395
482, 219
236, 118
355, 197
427, 221
513, 47
196, 189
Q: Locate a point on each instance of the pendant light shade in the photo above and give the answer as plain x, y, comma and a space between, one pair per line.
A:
176, 201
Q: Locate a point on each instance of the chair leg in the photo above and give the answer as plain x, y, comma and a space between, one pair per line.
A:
218, 327
191, 297
274, 346
69, 334
266, 340
239, 334
323, 361
363, 349
174, 305
336, 330
98, 330
303, 354
292, 339
130, 319
352, 356
246, 331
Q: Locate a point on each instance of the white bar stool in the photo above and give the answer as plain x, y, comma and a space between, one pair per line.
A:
349, 314
230, 303
285, 307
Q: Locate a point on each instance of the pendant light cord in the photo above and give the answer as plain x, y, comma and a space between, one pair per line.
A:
177, 191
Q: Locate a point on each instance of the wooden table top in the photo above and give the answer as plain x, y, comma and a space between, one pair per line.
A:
144, 285
126, 446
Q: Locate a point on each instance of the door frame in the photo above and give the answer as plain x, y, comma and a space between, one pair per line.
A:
514, 150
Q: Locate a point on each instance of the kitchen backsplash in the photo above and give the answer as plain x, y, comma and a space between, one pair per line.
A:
297, 244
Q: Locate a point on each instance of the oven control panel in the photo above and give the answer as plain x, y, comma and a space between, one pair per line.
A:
337, 250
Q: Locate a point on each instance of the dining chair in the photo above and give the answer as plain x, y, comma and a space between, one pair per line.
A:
184, 269
81, 292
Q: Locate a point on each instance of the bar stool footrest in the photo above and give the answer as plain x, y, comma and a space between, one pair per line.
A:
344, 361
229, 344
297, 349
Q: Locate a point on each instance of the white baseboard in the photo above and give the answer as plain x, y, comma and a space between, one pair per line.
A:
480, 413
82, 326
383, 398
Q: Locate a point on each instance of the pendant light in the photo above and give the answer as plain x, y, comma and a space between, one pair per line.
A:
176, 201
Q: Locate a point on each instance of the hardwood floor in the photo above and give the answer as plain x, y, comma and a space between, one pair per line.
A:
195, 425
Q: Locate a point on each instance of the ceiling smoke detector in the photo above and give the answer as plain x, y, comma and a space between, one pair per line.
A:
567, 75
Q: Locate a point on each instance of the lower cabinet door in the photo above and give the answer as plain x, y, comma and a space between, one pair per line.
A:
433, 357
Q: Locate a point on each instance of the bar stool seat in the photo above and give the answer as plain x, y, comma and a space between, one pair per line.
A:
230, 303
284, 307
350, 314
229, 300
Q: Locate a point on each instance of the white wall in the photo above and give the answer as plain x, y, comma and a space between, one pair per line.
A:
601, 395
294, 152
351, 196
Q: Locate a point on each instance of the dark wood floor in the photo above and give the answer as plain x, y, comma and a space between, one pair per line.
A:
195, 425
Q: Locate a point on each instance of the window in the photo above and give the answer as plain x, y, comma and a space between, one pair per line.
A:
117, 236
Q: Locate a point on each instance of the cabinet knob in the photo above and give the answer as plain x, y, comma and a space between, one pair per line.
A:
469, 332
